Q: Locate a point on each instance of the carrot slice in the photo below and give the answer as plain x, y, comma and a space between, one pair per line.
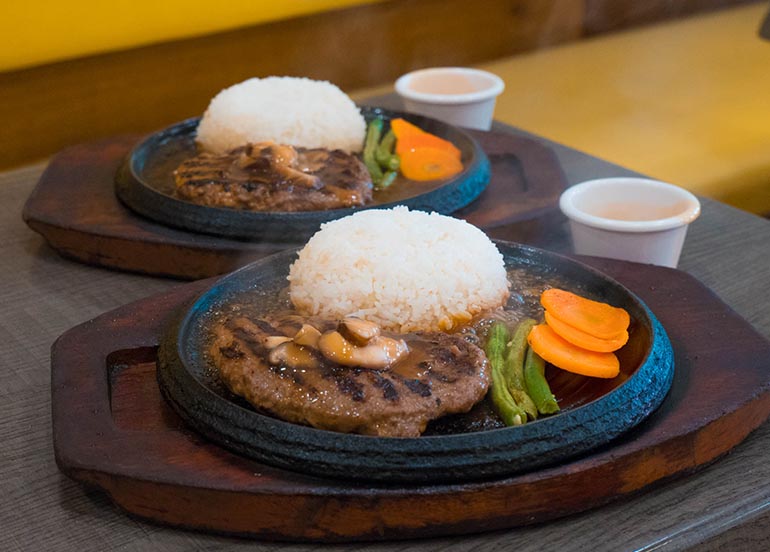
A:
411, 137
563, 354
403, 128
426, 141
584, 340
429, 164
592, 317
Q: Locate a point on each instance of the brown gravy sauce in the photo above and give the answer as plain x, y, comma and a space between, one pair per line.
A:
414, 365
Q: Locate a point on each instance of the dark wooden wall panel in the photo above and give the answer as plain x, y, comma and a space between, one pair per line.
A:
602, 16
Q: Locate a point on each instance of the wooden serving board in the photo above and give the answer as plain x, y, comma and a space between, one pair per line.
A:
75, 209
113, 430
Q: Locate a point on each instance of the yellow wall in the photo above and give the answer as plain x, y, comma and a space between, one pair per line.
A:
43, 31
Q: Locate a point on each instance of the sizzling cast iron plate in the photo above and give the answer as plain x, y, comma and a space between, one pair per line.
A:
593, 411
145, 183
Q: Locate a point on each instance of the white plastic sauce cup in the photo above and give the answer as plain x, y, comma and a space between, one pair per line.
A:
633, 219
457, 95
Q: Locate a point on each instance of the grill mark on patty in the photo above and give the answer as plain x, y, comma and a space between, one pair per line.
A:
348, 385
441, 377
199, 168
418, 387
233, 324
232, 351
389, 391
294, 375
252, 343
200, 181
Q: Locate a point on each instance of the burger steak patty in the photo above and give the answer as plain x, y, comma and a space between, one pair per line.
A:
272, 177
442, 374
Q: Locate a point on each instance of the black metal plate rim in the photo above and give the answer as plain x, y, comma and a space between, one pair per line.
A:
284, 227
430, 459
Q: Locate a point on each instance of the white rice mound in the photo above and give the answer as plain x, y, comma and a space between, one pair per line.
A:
295, 111
405, 270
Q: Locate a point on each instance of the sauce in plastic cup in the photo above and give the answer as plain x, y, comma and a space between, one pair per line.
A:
633, 219
456, 95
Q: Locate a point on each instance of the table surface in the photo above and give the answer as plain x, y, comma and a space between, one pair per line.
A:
725, 504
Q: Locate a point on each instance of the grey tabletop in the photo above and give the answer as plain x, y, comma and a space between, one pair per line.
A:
726, 504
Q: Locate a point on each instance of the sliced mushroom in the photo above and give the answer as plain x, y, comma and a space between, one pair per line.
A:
273, 341
393, 349
293, 356
281, 154
307, 336
335, 347
358, 331
378, 354
280, 159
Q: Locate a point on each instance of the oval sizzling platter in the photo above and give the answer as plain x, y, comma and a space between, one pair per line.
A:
145, 183
593, 413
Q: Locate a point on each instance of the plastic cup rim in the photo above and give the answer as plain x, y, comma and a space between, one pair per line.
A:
495, 89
